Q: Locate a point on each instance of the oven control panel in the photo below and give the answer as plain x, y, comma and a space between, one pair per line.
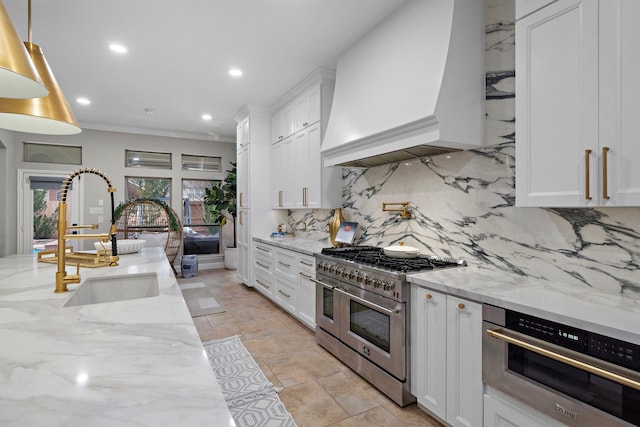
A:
612, 350
363, 278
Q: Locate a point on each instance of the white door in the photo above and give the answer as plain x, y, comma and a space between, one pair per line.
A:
25, 206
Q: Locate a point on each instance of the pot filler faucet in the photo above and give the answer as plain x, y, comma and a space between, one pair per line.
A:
62, 278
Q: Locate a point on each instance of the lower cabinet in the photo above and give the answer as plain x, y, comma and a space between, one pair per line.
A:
446, 356
502, 411
286, 277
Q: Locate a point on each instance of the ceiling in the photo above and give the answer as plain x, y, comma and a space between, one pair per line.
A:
180, 52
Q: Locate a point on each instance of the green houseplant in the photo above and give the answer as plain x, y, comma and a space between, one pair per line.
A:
220, 201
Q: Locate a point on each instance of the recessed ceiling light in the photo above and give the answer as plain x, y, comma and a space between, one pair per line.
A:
206, 117
235, 72
118, 48
82, 100
150, 111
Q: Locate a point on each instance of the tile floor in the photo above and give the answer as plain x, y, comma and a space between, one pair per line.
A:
318, 390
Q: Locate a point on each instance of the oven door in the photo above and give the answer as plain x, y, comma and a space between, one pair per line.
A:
327, 306
572, 387
374, 326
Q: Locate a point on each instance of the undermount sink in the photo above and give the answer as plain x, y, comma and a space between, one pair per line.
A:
97, 290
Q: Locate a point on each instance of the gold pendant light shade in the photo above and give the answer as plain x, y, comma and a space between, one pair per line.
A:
49, 114
18, 76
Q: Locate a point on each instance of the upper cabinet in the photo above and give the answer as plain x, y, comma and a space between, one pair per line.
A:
576, 104
299, 178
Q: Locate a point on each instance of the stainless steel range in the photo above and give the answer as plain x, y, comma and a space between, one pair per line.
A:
362, 312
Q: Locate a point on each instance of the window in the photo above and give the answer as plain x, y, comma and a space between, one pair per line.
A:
52, 153
200, 163
200, 235
155, 188
147, 159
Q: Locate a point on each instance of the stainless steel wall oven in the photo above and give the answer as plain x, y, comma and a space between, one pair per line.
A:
576, 376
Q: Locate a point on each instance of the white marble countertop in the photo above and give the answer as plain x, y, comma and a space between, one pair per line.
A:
607, 314
128, 363
304, 246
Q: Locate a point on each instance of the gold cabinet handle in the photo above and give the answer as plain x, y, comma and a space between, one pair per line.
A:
284, 263
241, 202
284, 293
262, 265
565, 359
587, 190
262, 249
263, 284
605, 190
306, 276
428, 296
280, 198
240, 218
304, 196
461, 306
308, 264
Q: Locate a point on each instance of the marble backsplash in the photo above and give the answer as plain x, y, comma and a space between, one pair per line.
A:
463, 203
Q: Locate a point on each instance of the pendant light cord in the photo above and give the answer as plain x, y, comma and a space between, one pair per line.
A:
29, 21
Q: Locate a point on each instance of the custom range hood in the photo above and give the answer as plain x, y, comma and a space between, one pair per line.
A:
411, 87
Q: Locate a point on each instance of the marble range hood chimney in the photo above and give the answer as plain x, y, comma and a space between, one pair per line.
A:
411, 87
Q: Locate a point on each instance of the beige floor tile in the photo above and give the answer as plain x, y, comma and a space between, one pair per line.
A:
411, 416
352, 392
300, 367
311, 406
375, 417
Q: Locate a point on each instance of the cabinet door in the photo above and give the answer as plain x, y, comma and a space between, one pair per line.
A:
306, 290
464, 362
429, 349
242, 177
307, 108
286, 295
288, 163
242, 241
282, 124
277, 175
619, 107
557, 105
525, 7
307, 176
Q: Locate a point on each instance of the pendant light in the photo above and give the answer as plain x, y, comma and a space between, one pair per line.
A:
49, 114
18, 76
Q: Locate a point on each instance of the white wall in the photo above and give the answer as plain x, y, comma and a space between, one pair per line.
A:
105, 151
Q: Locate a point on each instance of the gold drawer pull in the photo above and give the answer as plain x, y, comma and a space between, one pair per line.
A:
587, 189
263, 284
284, 263
306, 276
428, 296
262, 265
262, 249
280, 198
284, 293
308, 264
605, 190
461, 306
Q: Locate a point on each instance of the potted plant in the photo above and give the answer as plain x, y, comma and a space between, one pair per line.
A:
220, 200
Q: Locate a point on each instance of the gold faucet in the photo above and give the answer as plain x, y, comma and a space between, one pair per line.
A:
62, 278
404, 210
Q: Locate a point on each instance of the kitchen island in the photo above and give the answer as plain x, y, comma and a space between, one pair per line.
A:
137, 362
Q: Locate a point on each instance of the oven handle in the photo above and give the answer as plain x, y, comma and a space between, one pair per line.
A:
369, 303
612, 376
317, 282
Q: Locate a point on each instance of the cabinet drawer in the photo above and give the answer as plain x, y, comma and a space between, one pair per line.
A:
264, 283
286, 295
286, 263
264, 265
307, 264
264, 251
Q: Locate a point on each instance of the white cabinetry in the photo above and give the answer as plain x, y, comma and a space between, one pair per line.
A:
577, 109
299, 179
446, 356
255, 215
286, 277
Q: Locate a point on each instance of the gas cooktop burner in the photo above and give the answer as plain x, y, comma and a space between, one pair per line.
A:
375, 257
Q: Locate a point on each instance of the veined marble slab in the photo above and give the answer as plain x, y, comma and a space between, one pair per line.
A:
128, 363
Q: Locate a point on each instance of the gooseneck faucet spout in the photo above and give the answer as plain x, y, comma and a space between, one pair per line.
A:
62, 278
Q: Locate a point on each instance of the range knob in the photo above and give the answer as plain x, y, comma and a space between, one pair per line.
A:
389, 285
368, 281
353, 274
359, 277
344, 273
377, 283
